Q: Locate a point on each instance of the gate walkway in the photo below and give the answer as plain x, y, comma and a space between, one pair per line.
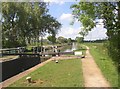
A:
44, 53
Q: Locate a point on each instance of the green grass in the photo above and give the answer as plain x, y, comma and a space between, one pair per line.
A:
105, 63
66, 73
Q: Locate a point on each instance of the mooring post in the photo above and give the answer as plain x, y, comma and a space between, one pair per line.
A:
29, 79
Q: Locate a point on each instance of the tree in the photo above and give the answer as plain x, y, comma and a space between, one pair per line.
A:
52, 39
83, 32
69, 40
109, 12
79, 39
84, 12
61, 40
24, 22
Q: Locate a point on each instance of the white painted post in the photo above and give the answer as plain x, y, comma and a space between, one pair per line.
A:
78, 53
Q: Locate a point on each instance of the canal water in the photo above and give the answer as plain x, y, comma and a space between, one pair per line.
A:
71, 48
67, 48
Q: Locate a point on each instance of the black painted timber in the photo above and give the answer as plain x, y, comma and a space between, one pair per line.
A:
55, 53
46, 53
20, 64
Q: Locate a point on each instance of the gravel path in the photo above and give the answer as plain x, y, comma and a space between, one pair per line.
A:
92, 75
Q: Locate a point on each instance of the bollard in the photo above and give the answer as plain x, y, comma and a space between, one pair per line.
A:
56, 61
29, 79
83, 56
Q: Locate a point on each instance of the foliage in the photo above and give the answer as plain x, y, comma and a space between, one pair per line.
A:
84, 12
79, 39
83, 32
61, 40
69, 40
89, 14
52, 38
24, 22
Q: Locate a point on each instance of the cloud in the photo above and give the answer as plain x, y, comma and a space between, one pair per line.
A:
66, 16
68, 32
71, 32
96, 33
100, 23
60, 2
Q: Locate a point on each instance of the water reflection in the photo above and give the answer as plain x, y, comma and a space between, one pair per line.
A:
72, 48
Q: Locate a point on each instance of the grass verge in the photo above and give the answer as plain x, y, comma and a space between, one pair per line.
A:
66, 73
109, 70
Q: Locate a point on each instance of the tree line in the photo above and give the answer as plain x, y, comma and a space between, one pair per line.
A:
59, 40
24, 22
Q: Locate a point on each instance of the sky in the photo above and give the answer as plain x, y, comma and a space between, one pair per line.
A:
60, 9
62, 12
